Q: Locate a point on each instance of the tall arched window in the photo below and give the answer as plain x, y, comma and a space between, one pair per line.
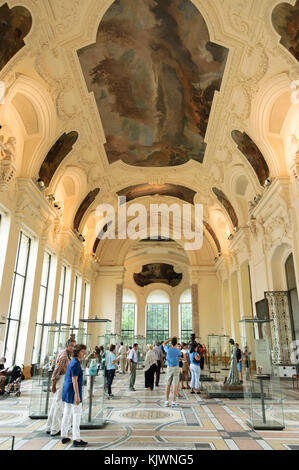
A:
157, 317
185, 312
293, 296
128, 317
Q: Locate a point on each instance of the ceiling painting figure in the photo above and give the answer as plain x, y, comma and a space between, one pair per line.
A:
141, 190
15, 24
253, 154
62, 147
285, 19
154, 72
227, 206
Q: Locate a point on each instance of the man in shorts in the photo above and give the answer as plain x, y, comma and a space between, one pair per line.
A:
173, 370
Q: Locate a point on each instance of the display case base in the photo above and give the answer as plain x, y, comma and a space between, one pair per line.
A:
85, 427
206, 378
38, 416
222, 391
269, 426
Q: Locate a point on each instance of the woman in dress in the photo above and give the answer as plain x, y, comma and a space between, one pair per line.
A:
150, 367
72, 397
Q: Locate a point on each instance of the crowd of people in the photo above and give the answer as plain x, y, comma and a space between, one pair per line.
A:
183, 361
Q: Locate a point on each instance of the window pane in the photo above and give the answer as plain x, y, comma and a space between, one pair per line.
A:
157, 322
46, 269
23, 255
17, 294
12, 327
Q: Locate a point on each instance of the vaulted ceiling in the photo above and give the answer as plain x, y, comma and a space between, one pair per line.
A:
150, 97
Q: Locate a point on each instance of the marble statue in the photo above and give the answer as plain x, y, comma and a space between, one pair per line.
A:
233, 375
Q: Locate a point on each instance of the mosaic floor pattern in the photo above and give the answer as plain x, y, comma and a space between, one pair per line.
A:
138, 420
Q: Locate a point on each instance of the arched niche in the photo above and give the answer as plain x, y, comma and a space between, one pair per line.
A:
278, 260
15, 24
252, 154
285, 19
154, 73
62, 147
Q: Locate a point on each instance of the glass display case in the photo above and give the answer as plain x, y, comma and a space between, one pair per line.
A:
141, 341
225, 351
115, 339
2, 332
55, 337
261, 382
7, 443
214, 353
93, 403
94, 411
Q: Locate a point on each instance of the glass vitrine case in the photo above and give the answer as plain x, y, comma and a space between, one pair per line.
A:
2, 331
261, 382
141, 341
225, 351
214, 352
93, 403
54, 338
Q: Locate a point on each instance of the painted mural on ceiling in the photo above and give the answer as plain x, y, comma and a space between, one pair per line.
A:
285, 19
56, 155
154, 72
227, 206
15, 24
213, 235
158, 273
253, 154
90, 198
141, 190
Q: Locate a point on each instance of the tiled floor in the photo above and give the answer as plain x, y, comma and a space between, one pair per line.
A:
138, 420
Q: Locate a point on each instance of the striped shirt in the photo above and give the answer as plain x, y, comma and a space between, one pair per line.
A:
61, 365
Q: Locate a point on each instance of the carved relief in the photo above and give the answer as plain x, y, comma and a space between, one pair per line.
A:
7, 165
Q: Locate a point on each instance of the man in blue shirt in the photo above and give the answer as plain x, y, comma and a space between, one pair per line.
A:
173, 355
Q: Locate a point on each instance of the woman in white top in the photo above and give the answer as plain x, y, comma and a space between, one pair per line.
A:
150, 367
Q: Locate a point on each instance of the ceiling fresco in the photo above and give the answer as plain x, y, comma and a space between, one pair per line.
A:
253, 154
213, 235
158, 273
56, 155
154, 72
227, 206
285, 19
90, 198
15, 24
141, 190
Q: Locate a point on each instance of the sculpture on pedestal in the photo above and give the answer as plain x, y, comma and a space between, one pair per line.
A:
233, 375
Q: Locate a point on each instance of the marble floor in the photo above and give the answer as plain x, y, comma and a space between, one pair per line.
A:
138, 420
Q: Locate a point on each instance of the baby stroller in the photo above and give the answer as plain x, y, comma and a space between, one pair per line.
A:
14, 386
